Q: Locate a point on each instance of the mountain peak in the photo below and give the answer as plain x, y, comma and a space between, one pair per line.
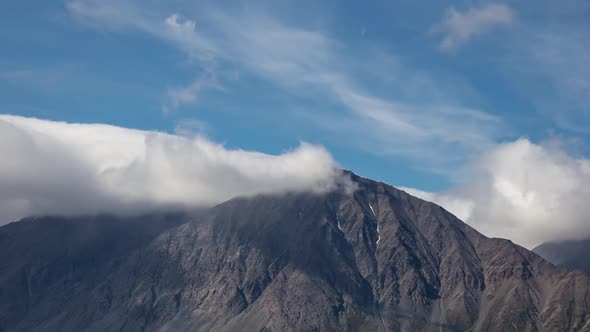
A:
375, 258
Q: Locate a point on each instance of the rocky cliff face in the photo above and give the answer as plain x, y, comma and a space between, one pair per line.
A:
377, 259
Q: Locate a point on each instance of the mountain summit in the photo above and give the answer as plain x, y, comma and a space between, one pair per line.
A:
376, 259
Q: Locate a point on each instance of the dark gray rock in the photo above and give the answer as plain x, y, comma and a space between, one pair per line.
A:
374, 260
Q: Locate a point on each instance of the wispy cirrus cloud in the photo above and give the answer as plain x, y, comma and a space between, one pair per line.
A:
562, 58
47, 78
458, 27
310, 64
189, 94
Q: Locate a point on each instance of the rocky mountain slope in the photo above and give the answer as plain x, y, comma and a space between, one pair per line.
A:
574, 254
377, 259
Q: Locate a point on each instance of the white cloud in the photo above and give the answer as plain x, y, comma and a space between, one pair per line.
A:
461, 207
121, 16
458, 28
62, 168
525, 192
186, 26
187, 95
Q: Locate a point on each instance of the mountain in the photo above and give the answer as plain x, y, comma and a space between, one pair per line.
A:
376, 259
574, 254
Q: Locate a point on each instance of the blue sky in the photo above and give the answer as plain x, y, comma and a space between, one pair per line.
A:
397, 91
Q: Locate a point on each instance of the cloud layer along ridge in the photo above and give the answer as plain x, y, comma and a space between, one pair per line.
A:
61, 168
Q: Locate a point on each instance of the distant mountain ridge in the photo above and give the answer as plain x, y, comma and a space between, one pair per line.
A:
377, 259
573, 254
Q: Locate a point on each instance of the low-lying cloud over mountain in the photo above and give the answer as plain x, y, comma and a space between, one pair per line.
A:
526, 192
62, 168
522, 191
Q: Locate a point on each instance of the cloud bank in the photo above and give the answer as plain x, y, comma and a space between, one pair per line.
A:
526, 192
459, 27
68, 169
